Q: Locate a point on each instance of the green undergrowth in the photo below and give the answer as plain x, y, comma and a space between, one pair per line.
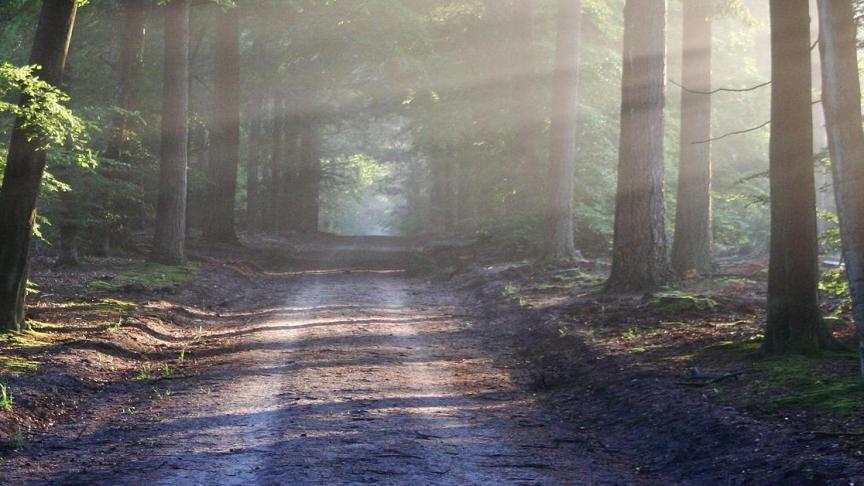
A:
148, 275
678, 301
28, 338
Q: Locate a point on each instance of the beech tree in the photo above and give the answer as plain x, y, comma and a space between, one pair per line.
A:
691, 248
25, 165
170, 235
841, 100
225, 145
562, 143
794, 319
527, 120
639, 260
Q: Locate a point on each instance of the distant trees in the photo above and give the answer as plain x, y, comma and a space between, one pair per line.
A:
170, 235
562, 142
527, 123
841, 100
691, 248
225, 144
639, 259
25, 165
794, 319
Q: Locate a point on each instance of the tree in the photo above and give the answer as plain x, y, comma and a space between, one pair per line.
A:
129, 63
691, 249
562, 143
170, 236
226, 130
794, 320
527, 121
841, 100
639, 260
25, 165
253, 167
309, 176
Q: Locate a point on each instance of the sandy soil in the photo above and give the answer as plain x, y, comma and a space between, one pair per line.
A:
335, 377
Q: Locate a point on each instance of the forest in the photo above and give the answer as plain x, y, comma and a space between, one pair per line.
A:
434, 242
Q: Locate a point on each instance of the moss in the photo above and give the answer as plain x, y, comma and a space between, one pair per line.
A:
678, 301
149, 275
799, 382
29, 338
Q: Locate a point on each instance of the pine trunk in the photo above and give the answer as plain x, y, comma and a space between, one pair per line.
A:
277, 162
226, 130
170, 237
691, 250
25, 166
639, 259
310, 177
794, 319
841, 100
129, 63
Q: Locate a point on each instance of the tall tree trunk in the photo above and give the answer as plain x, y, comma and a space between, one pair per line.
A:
691, 250
277, 162
794, 319
310, 176
26, 164
129, 63
226, 140
841, 100
562, 143
170, 237
639, 260
527, 120
253, 168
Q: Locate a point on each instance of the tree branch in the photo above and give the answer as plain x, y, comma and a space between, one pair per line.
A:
718, 90
739, 132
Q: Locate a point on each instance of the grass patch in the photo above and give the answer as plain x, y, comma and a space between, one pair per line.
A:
148, 275
29, 338
18, 365
106, 304
5, 398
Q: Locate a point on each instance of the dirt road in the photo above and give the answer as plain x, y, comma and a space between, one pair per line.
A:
362, 376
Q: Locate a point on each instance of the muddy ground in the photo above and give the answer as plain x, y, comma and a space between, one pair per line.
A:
325, 362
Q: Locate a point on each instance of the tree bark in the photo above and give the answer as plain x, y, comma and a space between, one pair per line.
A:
170, 236
794, 319
226, 130
25, 166
691, 249
841, 100
562, 143
639, 259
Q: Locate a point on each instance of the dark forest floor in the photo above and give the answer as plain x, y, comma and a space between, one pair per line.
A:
470, 374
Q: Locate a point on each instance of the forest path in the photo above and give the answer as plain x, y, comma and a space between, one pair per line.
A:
363, 376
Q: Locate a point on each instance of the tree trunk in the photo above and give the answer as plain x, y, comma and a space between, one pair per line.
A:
277, 161
129, 63
841, 100
691, 250
68, 251
170, 237
226, 140
25, 166
562, 143
527, 120
639, 260
253, 168
310, 176
794, 319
